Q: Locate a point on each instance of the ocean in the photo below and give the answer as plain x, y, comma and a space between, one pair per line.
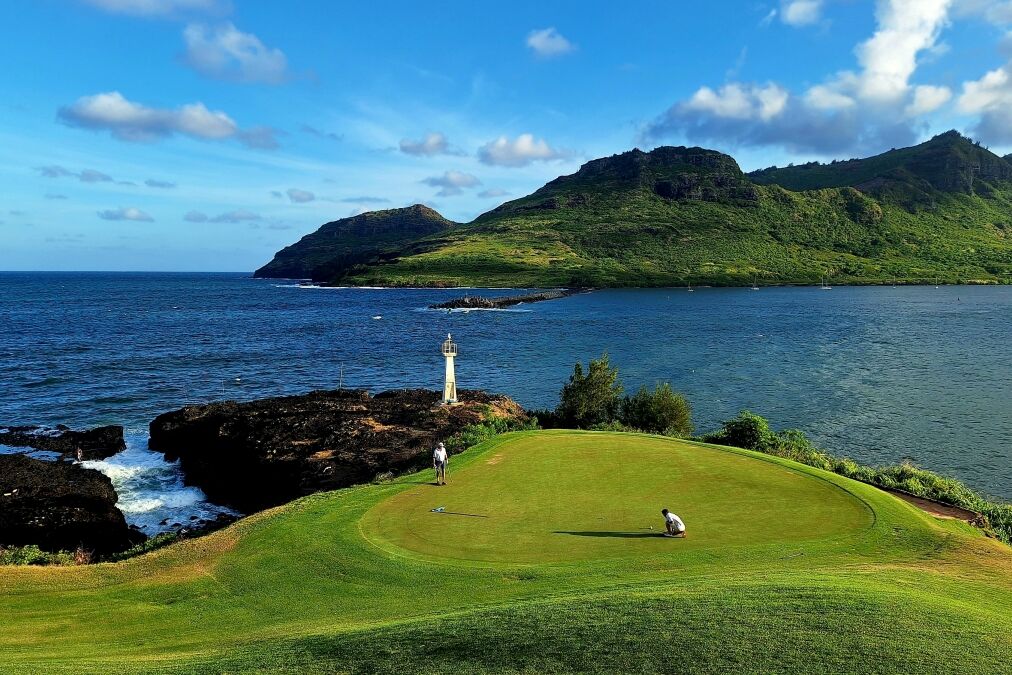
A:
880, 374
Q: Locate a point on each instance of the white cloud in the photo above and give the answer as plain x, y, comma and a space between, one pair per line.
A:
433, 144
739, 101
492, 192
125, 213
129, 121
548, 42
452, 182
800, 12
160, 8
227, 53
869, 110
821, 97
889, 57
84, 175
991, 98
519, 152
300, 196
195, 217
928, 98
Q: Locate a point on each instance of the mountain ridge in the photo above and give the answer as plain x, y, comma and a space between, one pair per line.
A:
676, 215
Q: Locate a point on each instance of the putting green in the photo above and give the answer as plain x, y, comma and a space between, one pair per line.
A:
555, 497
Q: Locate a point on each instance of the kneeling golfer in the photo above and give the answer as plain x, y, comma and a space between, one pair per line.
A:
439, 460
673, 524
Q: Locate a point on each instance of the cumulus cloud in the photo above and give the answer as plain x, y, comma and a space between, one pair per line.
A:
432, 144
548, 42
125, 213
226, 53
521, 151
452, 182
195, 217
928, 98
869, 110
160, 8
990, 97
492, 192
800, 12
298, 196
129, 121
164, 184
889, 57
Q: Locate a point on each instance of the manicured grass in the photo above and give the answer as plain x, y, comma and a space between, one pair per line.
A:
596, 496
824, 575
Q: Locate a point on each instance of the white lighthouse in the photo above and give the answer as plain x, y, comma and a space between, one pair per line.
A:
450, 386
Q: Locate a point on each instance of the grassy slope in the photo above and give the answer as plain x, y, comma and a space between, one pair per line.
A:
305, 586
640, 239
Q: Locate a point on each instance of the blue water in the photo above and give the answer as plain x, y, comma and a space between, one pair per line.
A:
880, 374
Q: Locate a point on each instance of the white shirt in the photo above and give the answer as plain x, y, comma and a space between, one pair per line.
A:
439, 456
672, 518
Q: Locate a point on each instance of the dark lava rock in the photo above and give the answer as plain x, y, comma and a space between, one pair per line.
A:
482, 302
259, 454
60, 506
98, 443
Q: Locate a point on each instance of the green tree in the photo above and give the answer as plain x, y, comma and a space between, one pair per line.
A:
594, 398
662, 411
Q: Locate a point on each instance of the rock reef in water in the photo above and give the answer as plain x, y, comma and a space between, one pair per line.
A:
97, 443
263, 453
482, 302
60, 506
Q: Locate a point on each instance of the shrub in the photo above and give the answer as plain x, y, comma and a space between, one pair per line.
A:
662, 411
747, 430
473, 434
752, 432
33, 555
590, 399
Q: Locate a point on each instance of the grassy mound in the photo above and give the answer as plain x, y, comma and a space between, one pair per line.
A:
786, 568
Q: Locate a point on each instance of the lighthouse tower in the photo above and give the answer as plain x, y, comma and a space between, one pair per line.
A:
450, 386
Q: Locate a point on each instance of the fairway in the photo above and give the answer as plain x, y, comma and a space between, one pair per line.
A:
786, 568
555, 497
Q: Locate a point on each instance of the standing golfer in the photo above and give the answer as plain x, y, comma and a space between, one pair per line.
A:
673, 524
439, 459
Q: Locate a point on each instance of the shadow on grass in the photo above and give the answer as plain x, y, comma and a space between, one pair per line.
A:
618, 535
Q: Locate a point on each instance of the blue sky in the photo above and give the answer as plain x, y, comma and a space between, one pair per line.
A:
206, 134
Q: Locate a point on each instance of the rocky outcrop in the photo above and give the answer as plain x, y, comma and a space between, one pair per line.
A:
60, 506
483, 302
98, 443
259, 454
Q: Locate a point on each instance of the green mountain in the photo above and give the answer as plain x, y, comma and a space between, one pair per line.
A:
675, 215
326, 253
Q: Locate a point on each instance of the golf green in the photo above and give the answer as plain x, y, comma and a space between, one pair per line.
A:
786, 568
556, 497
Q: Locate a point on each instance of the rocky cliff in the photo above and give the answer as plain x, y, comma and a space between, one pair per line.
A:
60, 506
97, 443
263, 453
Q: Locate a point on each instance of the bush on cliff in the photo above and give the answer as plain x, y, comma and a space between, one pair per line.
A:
594, 398
661, 411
